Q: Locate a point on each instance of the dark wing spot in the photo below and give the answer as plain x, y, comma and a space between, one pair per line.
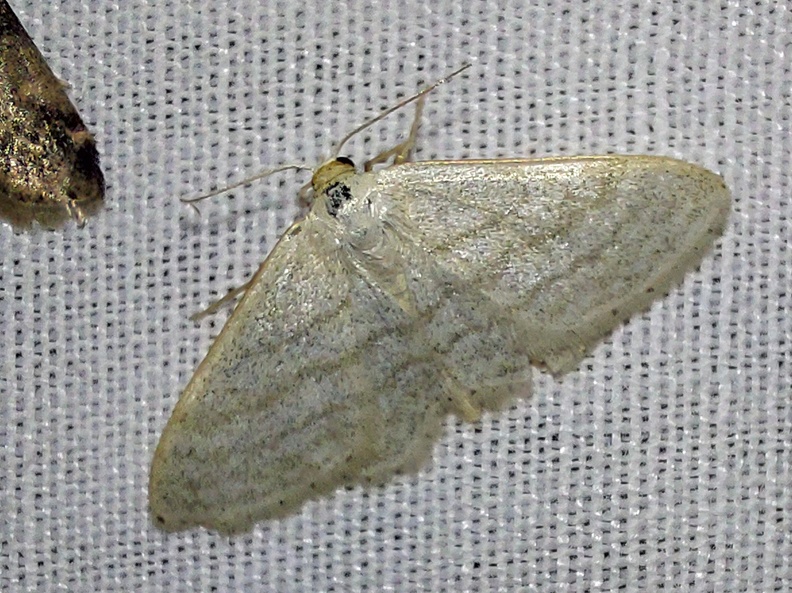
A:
337, 194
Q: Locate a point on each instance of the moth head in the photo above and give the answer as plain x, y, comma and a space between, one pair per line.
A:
331, 172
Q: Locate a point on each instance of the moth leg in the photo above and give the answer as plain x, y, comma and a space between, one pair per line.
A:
221, 302
400, 152
305, 198
409, 144
75, 213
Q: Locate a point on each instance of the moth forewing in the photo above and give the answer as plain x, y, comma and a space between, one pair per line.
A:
572, 246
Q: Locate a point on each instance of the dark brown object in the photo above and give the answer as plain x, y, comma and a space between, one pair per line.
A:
49, 166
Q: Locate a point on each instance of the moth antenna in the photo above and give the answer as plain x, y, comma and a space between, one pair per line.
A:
399, 105
246, 181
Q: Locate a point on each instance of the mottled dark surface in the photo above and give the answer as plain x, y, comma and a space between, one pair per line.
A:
49, 165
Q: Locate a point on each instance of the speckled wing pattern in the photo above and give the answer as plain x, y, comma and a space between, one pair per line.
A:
332, 383
350, 348
49, 165
571, 247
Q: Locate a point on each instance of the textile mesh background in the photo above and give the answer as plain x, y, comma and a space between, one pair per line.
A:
663, 463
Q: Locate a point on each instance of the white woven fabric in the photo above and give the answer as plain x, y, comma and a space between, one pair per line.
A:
664, 463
